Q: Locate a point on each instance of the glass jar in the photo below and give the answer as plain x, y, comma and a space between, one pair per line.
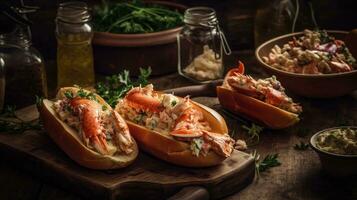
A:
200, 46
74, 45
22, 70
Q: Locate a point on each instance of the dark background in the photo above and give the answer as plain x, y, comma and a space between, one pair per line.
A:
236, 18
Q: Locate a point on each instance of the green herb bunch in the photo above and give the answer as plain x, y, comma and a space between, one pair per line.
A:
115, 87
134, 17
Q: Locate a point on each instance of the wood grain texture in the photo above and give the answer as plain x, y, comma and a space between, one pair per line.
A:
34, 152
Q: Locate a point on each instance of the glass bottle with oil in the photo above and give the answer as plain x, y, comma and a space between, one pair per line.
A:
74, 49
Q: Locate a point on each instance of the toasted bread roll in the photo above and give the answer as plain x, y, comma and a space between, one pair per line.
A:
261, 100
88, 130
176, 129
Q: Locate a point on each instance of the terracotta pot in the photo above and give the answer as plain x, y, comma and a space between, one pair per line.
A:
115, 52
317, 86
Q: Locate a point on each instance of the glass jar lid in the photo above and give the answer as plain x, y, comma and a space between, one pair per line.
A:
201, 16
73, 12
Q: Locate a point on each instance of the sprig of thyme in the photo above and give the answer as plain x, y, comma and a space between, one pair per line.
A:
269, 161
301, 146
253, 133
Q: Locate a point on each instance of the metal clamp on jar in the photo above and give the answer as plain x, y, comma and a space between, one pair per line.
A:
200, 46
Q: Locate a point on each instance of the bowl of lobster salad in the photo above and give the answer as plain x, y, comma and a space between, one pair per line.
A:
311, 63
315, 52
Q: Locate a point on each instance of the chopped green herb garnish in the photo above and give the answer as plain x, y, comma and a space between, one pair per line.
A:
68, 94
104, 108
196, 146
324, 37
87, 95
173, 103
115, 87
140, 117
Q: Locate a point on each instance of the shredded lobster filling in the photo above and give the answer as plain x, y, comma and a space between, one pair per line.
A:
268, 90
100, 129
174, 116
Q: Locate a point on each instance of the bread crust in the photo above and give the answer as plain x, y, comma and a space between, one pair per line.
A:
68, 140
273, 117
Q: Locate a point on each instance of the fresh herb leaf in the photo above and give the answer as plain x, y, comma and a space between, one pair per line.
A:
144, 75
269, 161
134, 17
324, 37
301, 146
173, 103
139, 118
68, 94
253, 133
196, 146
115, 87
87, 95
104, 108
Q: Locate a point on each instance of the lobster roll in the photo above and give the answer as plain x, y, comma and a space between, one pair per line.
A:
88, 130
175, 129
262, 100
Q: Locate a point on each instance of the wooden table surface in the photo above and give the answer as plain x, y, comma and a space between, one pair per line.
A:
299, 176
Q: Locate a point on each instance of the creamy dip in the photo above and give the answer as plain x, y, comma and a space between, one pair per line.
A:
338, 141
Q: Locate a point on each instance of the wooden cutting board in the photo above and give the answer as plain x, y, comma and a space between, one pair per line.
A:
146, 178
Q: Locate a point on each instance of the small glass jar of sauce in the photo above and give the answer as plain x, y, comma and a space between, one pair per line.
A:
74, 49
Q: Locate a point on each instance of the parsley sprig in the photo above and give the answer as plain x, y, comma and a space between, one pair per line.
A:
80, 93
116, 86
